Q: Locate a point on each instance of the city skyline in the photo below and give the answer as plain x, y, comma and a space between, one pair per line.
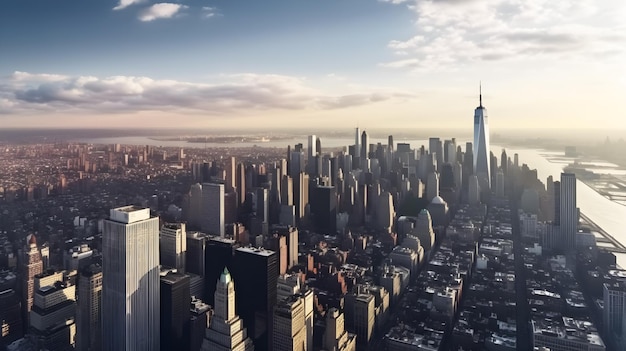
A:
218, 64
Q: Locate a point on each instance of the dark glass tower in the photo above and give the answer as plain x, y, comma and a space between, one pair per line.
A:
175, 302
256, 273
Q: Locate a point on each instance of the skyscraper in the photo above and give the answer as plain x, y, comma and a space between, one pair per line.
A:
32, 265
312, 153
569, 213
52, 319
130, 286
88, 317
357, 142
173, 245
481, 146
432, 185
256, 272
226, 331
175, 300
365, 145
289, 332
615, 313
213, 208
335, 337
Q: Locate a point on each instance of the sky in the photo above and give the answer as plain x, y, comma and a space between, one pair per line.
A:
212, 64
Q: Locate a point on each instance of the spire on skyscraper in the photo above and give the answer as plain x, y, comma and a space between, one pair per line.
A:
480, 94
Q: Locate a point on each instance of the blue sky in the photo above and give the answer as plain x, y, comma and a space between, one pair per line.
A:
391, 63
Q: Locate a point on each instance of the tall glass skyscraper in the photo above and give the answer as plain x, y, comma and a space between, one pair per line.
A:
130, 286
481, 146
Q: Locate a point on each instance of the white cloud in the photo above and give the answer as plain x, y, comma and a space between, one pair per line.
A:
160, 10
208, 12
453, 33
25, 92
125, 3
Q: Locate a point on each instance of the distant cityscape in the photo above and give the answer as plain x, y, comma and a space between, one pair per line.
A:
368, 246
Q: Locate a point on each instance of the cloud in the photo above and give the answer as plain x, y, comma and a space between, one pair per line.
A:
125, 3
233, 94
453, 33
209, 12
160, 10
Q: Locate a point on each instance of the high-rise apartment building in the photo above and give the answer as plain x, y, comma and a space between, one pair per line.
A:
481, 146
213, 209
130, 285
89, 315
173, 245
226, 331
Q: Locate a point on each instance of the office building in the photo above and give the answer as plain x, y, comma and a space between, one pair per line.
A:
615, 313
194, 217
213, 209
336, 338
312, 154
481, 146
173, 245
432, 185
424, 230
568, 211
386, 212
474, 190
219, 253
175, 299
226, 331
324, 209
199, 321
52, 319
11, 317
240, 181
231, 174
289, 285
130, 284
89, 315
256, 271
365, 146
360, 316
566, 334
289, 332
31, 266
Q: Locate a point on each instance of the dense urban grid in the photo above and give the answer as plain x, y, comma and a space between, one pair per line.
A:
370, 247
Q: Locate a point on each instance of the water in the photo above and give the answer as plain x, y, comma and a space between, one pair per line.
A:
608, 215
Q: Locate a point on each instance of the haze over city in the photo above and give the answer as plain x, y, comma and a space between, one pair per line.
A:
378, 64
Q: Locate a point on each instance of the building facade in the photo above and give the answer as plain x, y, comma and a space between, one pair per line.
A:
130, 286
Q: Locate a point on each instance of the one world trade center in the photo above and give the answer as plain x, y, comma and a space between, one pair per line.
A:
481, 146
